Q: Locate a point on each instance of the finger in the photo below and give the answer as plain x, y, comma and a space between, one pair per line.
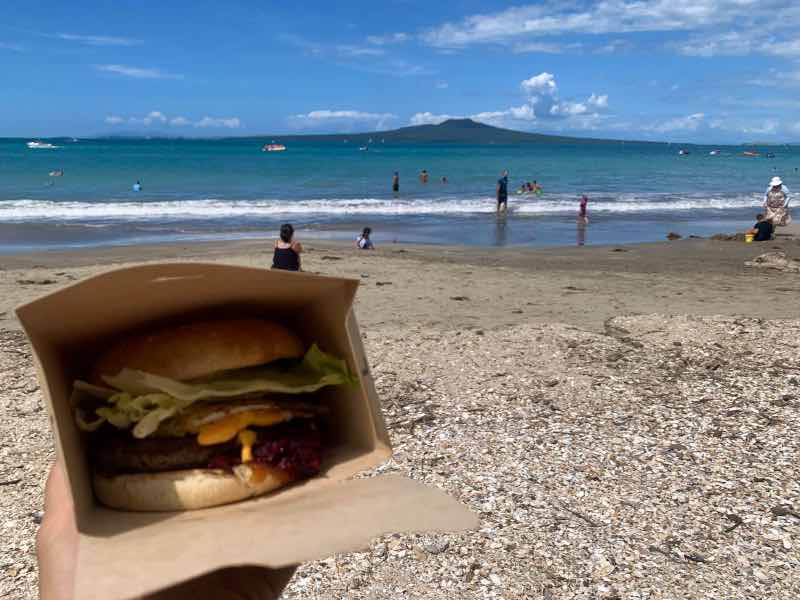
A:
57, 496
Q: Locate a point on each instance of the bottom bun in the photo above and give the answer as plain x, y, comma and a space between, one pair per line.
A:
183, 490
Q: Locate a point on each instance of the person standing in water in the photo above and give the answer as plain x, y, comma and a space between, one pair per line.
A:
396, 182
583, 217
137, 187
502, 192
287, 251
423, 176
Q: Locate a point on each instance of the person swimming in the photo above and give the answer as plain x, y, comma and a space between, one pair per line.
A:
137, 187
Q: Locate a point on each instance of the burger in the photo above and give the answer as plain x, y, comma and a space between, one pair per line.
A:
204, 413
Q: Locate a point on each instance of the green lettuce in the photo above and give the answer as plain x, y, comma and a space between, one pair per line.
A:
145, 400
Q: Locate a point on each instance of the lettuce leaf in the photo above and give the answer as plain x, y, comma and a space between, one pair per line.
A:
145, 400
315, 371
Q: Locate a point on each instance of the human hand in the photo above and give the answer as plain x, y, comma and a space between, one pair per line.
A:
57, 551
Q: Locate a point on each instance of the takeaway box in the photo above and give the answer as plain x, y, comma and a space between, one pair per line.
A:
126, 554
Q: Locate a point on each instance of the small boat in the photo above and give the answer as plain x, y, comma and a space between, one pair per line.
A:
273, 147
363, 148
714, 153
770, 155
57, 173
37, 145
683, 152
750, 153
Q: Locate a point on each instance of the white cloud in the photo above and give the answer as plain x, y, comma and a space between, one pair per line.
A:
356, 51
97, 40
352, 57
544, 48
340, 119
229, 122
596, 101
428, 118
137, 72
614, 46
391, 38
543, 83
442, 85
157, 117
751, 127
687, 123
608, 16
542, 104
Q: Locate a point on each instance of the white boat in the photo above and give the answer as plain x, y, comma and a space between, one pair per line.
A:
714, 152
37, 145
683, 152
273, 147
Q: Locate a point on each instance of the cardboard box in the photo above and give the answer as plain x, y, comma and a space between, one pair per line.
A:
126, 554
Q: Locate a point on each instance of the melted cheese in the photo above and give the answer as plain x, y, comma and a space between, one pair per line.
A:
228, 427
247, 438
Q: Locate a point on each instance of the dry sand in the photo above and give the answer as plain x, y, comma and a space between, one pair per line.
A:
606, 444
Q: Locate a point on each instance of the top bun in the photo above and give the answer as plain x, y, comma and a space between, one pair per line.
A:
198, 349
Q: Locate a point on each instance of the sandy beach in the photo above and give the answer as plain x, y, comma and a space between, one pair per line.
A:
622, 418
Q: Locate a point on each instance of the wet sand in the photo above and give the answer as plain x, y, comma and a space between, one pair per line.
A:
446, 287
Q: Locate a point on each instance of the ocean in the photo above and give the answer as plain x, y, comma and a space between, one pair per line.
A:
199, 190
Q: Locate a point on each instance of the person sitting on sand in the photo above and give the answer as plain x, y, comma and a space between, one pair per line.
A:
776, 203
363, 242
287, 251
763, 229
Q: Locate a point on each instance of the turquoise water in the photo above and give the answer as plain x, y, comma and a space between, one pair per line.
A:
224, 189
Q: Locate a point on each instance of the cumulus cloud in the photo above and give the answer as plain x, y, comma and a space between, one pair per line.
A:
542, 104
114, 120
543, 83
137, 72
179, 121
340, 119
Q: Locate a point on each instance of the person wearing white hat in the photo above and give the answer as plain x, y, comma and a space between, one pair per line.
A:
776, 203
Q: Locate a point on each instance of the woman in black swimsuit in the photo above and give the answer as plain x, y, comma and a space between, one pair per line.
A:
287, 251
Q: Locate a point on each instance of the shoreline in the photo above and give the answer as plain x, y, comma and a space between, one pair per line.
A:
454, 287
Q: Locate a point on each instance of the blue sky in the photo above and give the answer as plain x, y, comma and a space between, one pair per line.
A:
702, 70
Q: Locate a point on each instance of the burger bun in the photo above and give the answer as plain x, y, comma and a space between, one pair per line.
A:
200, 348
183, 490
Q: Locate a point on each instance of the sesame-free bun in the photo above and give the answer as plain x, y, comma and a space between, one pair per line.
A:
198, 349
188, 489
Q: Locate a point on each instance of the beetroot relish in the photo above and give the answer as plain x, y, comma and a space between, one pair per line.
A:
295, 447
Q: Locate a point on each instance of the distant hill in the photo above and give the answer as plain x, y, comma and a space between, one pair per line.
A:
452, 131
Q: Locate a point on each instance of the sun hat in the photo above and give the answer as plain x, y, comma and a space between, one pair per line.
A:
775, 181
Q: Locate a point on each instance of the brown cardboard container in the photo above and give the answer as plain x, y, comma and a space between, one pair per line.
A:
125, 554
